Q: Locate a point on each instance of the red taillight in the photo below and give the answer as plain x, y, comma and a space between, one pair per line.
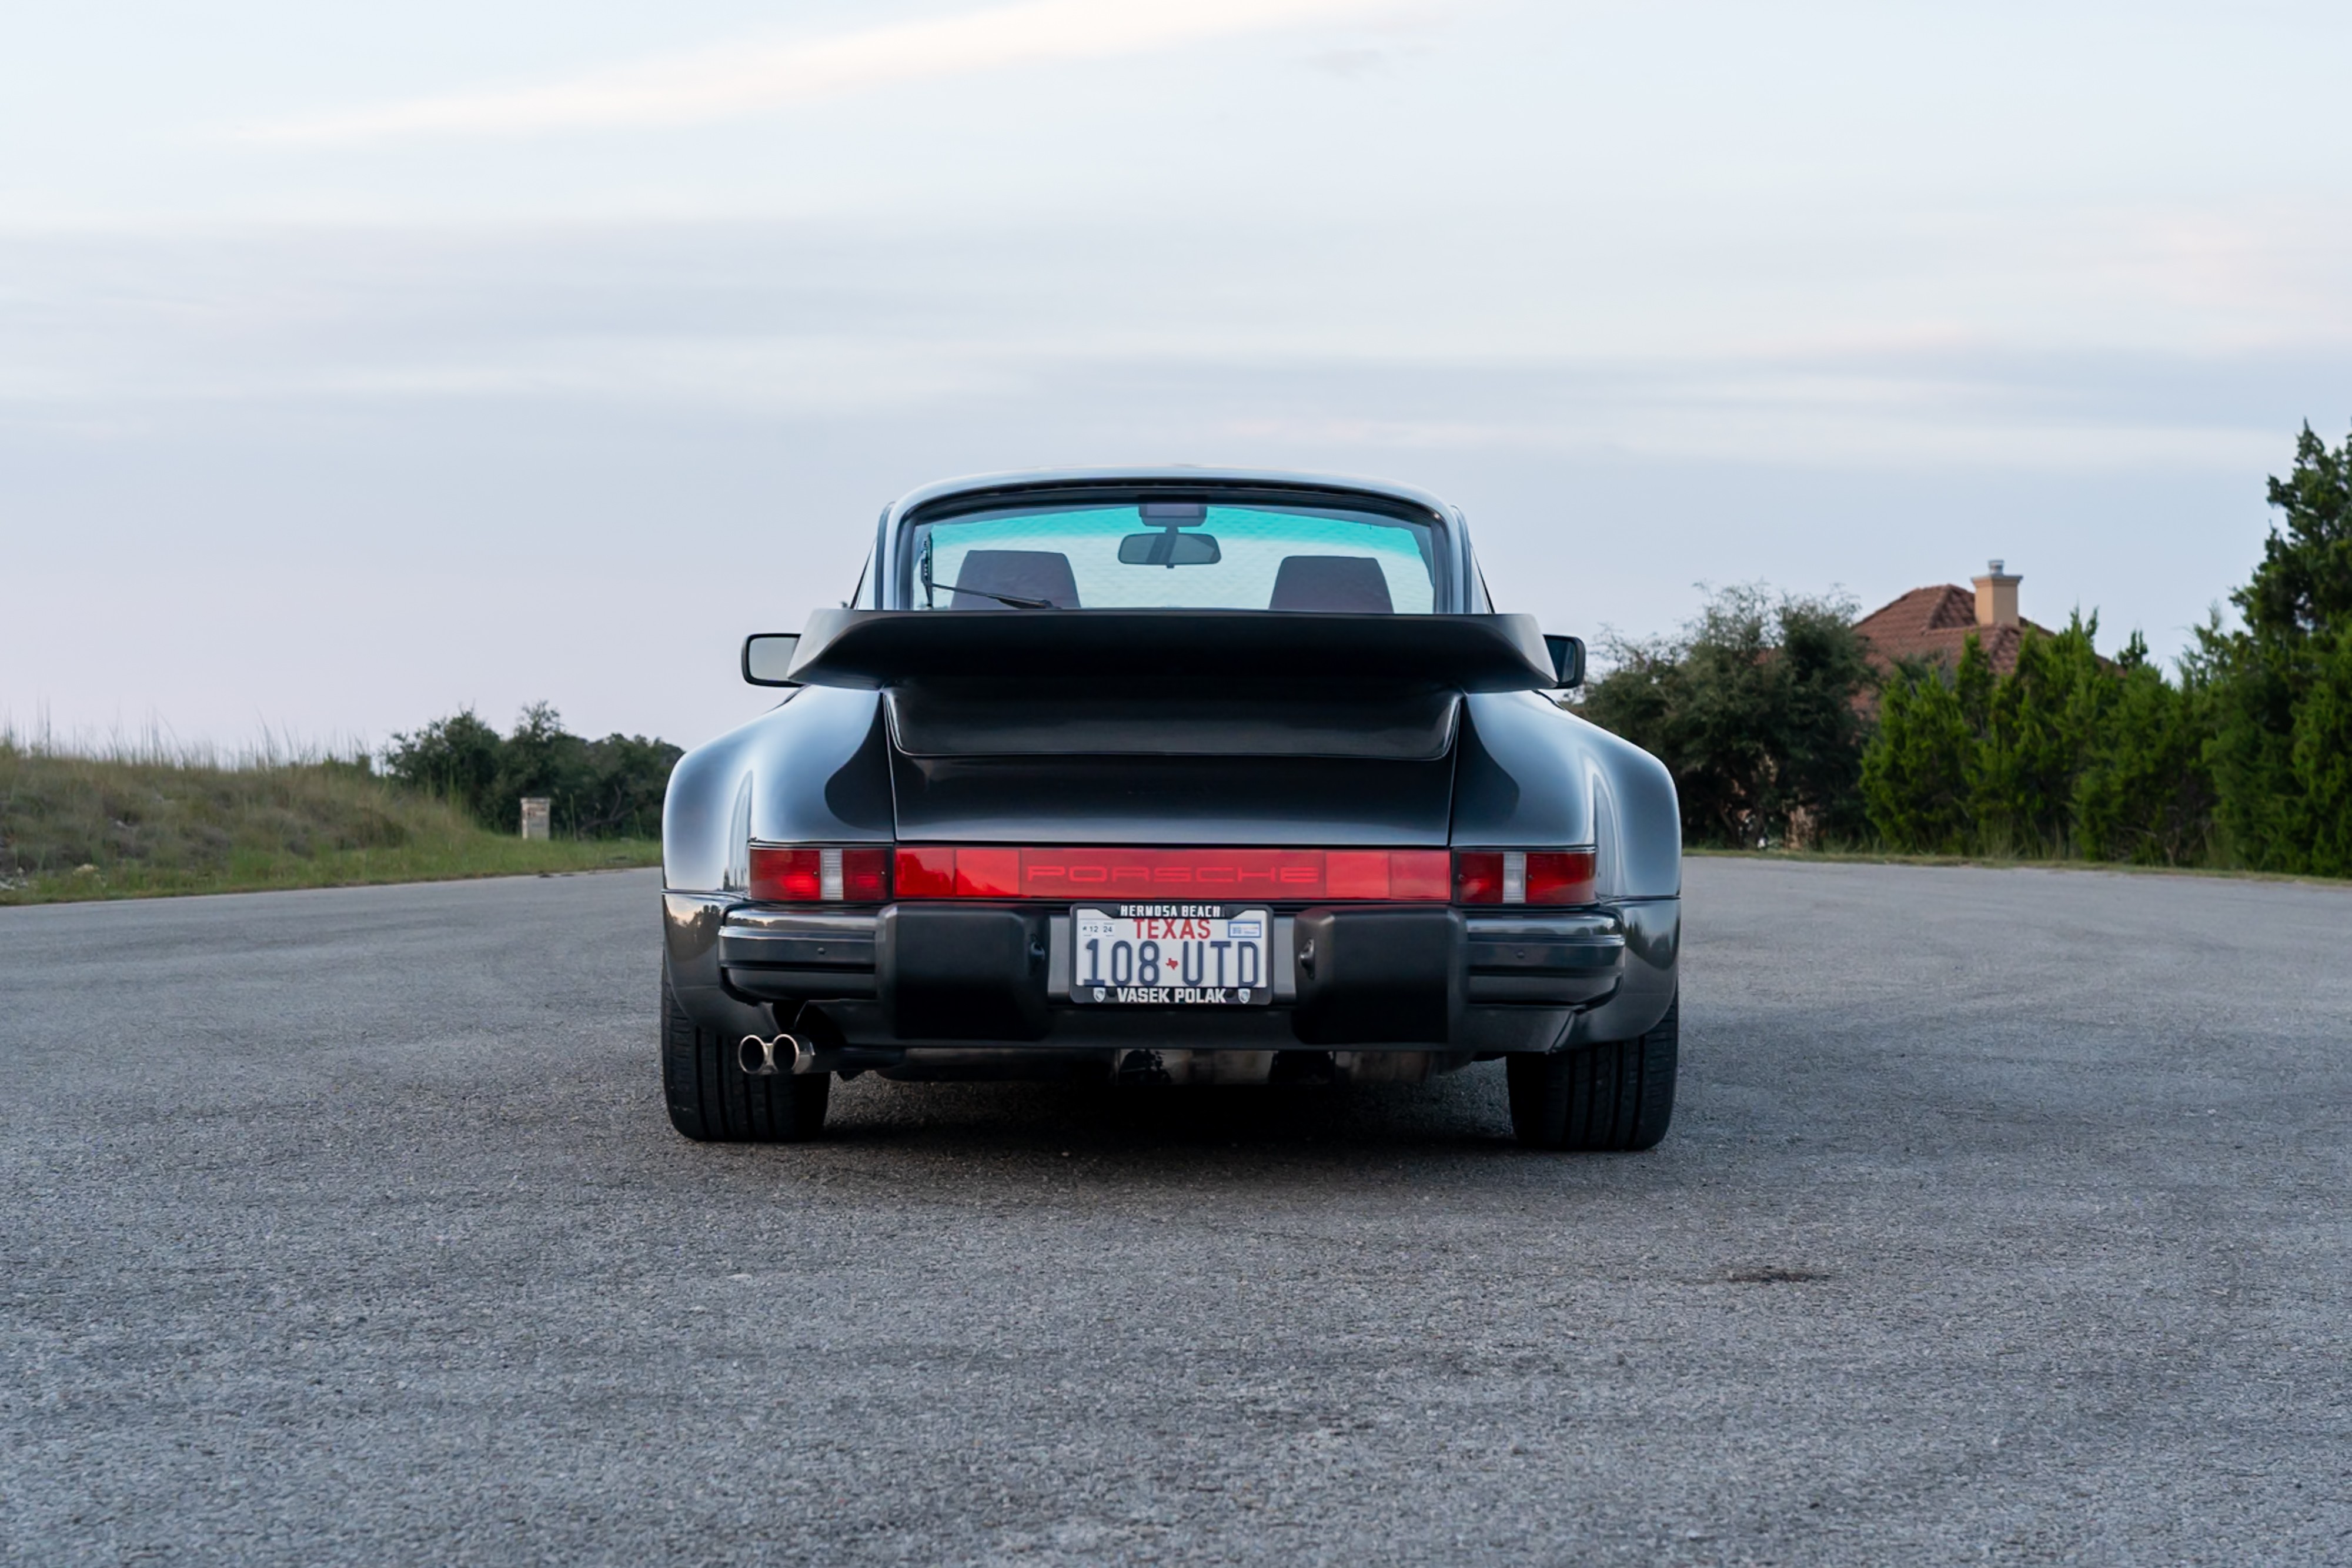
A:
800, 874
1560, 876
940, 871
1478, 876
1523, 877
866, 876
787, 876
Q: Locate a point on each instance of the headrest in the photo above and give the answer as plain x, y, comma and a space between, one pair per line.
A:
1023, 573
1337, 582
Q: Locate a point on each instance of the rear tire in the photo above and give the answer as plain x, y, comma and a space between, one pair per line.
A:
1614, 1095
713, 1100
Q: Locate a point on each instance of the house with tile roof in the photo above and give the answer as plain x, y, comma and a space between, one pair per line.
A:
1931, 625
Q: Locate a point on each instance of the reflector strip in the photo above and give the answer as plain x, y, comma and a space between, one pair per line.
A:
941, 871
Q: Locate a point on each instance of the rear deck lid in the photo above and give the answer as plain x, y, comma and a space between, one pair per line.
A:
1173, 726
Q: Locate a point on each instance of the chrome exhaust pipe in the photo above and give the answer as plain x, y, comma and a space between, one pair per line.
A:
758, 1057
787, 1053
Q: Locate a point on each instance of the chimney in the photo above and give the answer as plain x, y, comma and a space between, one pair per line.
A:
1996, 597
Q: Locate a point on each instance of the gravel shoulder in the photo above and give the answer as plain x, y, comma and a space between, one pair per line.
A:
2004, 1217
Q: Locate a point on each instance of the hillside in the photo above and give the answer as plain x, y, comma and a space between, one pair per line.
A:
126, 826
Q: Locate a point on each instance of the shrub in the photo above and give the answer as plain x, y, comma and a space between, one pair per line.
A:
458, 758
611, 787
1752, 707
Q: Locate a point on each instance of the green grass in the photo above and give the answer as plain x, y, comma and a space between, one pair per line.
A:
146, 823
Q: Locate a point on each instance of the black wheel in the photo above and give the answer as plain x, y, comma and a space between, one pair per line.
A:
1616, 1094
714, 1100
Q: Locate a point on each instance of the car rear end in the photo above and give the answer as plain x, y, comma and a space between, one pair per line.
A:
1228, 779
916, 959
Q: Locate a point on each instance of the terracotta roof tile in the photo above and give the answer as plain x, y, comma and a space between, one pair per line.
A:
1932, 624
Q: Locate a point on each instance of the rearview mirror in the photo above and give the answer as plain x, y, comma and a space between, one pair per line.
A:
1566, 661
1169, 548
768, 658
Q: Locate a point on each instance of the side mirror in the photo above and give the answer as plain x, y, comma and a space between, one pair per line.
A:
1566, 661
768, 658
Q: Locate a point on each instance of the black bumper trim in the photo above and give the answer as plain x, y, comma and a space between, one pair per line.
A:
1389, 984
1561, 960
789, 957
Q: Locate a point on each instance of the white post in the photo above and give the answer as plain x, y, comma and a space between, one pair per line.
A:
534, 816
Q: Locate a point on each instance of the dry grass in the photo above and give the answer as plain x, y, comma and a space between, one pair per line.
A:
148, 820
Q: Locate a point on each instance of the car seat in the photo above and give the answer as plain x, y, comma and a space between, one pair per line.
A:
1331, 582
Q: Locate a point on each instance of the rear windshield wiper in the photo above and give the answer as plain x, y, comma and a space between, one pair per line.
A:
1014, 599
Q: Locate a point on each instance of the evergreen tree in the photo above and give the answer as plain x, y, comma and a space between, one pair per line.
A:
1972, 684
2303, 586
2321, 755
2245, 757
1915, 773
2067, 754
2145, 794
2276, 802
2042, 721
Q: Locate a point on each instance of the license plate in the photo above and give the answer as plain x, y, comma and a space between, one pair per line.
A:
1172, 956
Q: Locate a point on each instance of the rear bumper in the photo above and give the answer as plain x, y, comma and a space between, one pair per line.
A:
1353, 976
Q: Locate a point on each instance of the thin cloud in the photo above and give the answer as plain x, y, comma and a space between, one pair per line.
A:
717, 83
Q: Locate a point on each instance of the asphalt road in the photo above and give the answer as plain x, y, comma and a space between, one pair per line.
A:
2004, 1218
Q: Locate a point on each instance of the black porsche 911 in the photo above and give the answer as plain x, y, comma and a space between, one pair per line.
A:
1180, 775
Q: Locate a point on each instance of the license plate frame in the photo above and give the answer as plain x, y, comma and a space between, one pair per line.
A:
1195, 931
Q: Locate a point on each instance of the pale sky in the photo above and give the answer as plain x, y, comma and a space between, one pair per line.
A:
359, 364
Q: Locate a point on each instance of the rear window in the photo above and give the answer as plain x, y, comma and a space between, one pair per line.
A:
1172, 555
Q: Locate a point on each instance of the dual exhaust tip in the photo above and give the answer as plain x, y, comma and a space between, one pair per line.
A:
786, 1055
